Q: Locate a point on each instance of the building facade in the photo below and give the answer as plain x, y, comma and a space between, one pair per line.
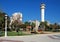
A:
16, 16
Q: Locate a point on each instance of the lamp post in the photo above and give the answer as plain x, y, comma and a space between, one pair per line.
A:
5, 25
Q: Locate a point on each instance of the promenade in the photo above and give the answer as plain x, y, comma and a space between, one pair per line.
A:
53, 37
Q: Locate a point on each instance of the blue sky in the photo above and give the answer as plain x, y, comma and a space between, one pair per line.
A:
30, 9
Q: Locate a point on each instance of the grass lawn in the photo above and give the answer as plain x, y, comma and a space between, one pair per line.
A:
14, 33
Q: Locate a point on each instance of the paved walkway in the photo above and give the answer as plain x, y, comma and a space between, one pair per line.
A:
32, 38
9, 41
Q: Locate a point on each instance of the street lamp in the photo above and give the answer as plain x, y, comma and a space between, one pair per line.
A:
5, 25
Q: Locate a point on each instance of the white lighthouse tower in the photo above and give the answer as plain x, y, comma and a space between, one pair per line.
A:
42, 12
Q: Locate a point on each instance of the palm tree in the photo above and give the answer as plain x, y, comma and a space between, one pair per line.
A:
44, 25
27, 23
55, 26
32, 25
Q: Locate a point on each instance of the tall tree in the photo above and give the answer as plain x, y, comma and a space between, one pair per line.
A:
27, 23
2, 20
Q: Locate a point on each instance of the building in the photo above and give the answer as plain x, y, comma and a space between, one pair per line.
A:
37, 23
16, 16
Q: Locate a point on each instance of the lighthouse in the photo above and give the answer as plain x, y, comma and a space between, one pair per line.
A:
42, 12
